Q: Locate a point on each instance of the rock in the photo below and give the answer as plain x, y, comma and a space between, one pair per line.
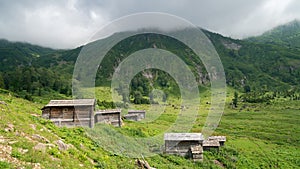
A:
40, 138
42, 147
5, 149
3, 102
33, 126
20, 134
22, 151
36, 166
61, 145
219, 163
2, 139
9, 128
143, 164
82, 146
12, 142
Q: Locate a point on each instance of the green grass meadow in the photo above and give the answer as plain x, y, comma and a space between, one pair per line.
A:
265, 135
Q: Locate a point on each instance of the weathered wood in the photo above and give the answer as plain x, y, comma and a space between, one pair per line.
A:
141, 114
112, 117
70, 112
220, 139
184, 144
132, 117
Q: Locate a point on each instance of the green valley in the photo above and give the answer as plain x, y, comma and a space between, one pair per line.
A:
260, 120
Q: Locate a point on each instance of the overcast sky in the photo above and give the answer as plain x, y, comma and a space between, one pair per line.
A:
70, 23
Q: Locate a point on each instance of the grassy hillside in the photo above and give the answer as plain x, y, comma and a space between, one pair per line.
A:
259, 136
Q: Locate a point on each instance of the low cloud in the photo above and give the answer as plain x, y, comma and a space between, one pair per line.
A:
68, 24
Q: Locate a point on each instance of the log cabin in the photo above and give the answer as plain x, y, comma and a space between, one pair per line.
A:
79, 112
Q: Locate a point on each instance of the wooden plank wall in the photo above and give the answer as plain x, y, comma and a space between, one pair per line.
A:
109, 118
70, 116
180, 148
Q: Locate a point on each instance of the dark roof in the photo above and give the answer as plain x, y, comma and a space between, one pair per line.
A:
77, 102
183, 137
112, 111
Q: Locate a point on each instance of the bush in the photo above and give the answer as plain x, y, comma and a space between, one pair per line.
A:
5, 165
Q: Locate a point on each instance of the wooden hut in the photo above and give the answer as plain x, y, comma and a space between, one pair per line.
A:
220, 139
214, 142
132, 117
112, 117
183, 143
140, 114
210, 144
70, 113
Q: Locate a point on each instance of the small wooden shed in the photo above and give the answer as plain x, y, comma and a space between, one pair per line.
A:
214, 142
210, 144
182, 143
135, 115
79, 112
132, 117
140, 113
220, 139
112, 117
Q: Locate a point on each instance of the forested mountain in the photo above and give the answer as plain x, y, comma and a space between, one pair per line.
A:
33, 70
287, 35
271, 66
270, 62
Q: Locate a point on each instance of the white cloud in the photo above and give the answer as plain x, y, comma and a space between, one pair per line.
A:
68, 24
54, 25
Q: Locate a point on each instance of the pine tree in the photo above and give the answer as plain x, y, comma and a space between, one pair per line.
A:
235, 99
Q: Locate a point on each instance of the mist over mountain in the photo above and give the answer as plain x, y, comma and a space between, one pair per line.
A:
270, 61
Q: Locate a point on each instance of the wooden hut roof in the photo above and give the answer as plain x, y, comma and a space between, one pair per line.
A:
218, 138
112, 111
183, 136
131, 115
77, 102
136, 111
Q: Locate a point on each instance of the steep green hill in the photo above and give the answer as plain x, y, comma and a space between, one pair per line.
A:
31, 70
287, 34
255, 64
258, 65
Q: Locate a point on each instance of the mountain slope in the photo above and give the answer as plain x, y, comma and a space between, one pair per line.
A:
273, 66
287, 34
256, 63
14, 54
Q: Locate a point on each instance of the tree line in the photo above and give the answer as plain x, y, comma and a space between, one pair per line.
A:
29, 81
